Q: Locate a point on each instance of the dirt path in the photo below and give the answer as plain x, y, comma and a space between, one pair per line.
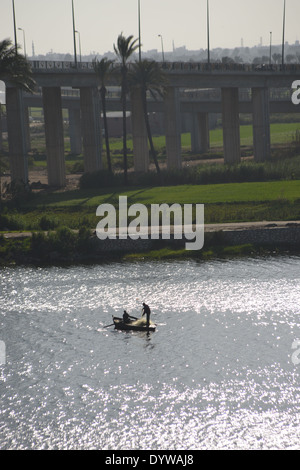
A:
208, 227
36, 176
72, 180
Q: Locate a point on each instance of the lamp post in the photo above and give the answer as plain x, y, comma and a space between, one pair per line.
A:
162, 47
79, 44
208, 46
21, 29
15, 28
139, 21
283, 33
270, 47
74, 35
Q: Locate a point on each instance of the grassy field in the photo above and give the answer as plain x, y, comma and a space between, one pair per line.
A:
230, 202
237, 202
184, 194
281, 134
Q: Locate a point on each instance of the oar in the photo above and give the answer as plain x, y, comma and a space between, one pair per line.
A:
106, 326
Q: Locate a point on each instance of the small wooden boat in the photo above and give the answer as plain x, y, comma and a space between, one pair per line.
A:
135, 325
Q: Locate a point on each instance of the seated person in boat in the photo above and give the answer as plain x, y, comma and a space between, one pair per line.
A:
127, 318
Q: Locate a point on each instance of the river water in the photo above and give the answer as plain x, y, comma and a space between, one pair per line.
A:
219, 372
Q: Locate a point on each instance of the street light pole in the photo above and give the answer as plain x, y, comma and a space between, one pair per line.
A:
139, 21
208, 45
21, 29
283, 33
15, 28
162, 47
270, 47
79, 44
74, 36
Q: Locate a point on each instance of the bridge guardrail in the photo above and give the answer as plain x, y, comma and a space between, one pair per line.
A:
171, 66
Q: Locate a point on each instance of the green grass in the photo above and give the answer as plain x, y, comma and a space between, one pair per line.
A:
168, 253
182, 194
280, 134
237, 202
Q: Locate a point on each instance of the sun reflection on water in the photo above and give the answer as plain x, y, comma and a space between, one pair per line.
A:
217, 374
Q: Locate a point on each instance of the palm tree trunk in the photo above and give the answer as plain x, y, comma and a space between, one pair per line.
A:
124, 139
124, 88
124, 125
1, 137
149, 133
103, 93
0, 156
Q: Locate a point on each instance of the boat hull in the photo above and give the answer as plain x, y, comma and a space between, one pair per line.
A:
136, 325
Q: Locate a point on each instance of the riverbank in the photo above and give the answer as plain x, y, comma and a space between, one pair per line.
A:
65, 246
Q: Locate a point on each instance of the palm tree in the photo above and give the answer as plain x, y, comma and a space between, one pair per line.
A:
124, 49
14, 68
148, 77
102, 69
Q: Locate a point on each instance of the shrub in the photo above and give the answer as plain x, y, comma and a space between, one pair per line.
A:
100, 179
64, 240
276, 169
11, 222
47, 223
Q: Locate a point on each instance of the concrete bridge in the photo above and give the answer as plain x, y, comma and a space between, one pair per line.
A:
193, 88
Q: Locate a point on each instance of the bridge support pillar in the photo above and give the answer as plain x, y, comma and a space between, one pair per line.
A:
91, 128
139, 133
173, 128
54, 136
1, 130
200, 132
75, 131
231, 125
16, 134
261, 124
27, 128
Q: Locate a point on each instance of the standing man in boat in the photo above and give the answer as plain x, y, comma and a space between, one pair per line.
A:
146, 310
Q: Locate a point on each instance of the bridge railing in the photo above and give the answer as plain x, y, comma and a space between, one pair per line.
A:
186, 95
245, 94
59, 65
39, 65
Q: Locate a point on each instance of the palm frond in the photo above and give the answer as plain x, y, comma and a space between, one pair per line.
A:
14, 67
102, 68
148, 75
125, 47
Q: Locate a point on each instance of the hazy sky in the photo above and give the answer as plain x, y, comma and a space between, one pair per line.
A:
49, 23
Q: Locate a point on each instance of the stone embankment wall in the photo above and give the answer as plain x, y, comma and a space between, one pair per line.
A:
266, 236
288, 235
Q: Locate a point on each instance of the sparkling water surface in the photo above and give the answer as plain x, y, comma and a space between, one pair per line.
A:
217, 374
